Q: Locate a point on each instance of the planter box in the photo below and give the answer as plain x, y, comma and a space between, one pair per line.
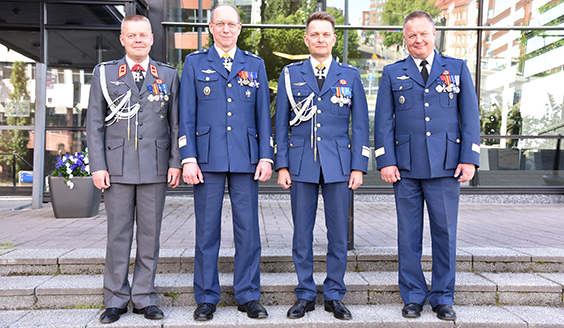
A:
82, 201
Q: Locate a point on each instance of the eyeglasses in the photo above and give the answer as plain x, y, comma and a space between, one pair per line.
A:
231, 25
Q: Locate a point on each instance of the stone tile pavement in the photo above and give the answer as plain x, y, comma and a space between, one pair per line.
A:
531, 222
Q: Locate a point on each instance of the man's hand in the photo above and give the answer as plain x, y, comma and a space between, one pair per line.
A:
284, 179
465, 171
390, 174
101, 179
191, 174
263, 171
355, 180
174, 177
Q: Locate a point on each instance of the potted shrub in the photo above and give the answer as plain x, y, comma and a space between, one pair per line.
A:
73, 194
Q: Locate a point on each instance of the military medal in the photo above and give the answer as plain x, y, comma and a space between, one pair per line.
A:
334, 98
248, 93
439, 88
150, 89
450, 95
207, 90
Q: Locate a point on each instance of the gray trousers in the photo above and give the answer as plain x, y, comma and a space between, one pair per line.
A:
126, 204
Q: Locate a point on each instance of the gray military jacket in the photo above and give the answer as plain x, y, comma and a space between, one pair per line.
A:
145, 152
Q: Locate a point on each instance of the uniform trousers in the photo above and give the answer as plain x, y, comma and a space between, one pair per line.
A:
441, 196
336, 200
208, 201
126, 204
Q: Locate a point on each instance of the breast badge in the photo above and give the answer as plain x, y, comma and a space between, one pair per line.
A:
401, 99
207, 91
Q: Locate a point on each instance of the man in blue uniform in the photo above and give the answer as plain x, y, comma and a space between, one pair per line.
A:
427, 141
225, 133
315, 101
132, 126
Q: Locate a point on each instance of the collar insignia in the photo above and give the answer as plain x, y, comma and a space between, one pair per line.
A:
153, 71
122, 70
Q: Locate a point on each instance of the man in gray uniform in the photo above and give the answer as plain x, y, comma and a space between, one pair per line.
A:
132, 126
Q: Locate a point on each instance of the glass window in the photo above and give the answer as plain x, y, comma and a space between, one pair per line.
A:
84, 14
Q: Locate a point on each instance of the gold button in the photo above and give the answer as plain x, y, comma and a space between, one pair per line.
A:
256, 135
349, 146
229, 114
319, 111
457, 140
318, 138
299, 93
228, 128
401, 87
197, 134
291, 145
207, 78
426, 90
428, 134
319, 99
229, 85
427, 119
229, 100
318, 125
426, 104
397, 142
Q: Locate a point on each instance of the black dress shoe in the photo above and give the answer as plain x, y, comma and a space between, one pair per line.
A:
204, 312
111, 315
300, 308
445, 312
339, 309
254, 310
151, 312
411, 310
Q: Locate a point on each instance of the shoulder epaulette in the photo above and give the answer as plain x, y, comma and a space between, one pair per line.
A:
165, 65
110, 62
199, 52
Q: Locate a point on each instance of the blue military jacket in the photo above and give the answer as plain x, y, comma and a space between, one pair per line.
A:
427, 129
331, 150
225, 117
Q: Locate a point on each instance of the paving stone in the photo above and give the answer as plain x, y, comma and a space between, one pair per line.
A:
34, 261
57, 318
546, 259
472, 289
539, 317
83, 261
9, 317
18, 292
391, 317
497, 259
469, 316
555, 277
70, 291
525, 289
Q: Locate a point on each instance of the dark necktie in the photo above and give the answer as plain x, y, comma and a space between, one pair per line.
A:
424, 71
320, 76
138, 71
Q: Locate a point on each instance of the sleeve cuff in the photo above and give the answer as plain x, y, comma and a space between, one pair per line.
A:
189, 160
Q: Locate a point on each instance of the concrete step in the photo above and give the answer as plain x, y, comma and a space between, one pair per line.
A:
475, 259
363, 288
363, 316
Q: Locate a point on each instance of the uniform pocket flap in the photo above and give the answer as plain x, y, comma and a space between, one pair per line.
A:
296, 142
402, 86
401, 139
208, 77
301, 92
163, 144
112, 144
202, 130
454, 137
343, 143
